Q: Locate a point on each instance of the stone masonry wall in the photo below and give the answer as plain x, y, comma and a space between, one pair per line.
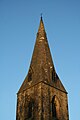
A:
32, 94
41, 96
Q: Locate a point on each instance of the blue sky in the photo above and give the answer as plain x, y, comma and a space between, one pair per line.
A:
19, 21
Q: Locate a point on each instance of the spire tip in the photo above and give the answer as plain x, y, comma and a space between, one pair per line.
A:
41, 16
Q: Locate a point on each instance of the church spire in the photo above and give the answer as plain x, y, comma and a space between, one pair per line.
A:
42, 56
42, 95
41, 67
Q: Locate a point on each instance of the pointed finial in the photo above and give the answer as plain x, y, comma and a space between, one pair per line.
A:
41, 26
41, 16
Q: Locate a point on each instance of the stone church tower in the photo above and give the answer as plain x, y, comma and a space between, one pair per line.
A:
42, 96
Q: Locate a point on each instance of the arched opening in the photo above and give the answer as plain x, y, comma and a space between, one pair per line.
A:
30, 110
55, 108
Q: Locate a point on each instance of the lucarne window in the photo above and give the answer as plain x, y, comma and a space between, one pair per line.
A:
30, 75
53, 74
